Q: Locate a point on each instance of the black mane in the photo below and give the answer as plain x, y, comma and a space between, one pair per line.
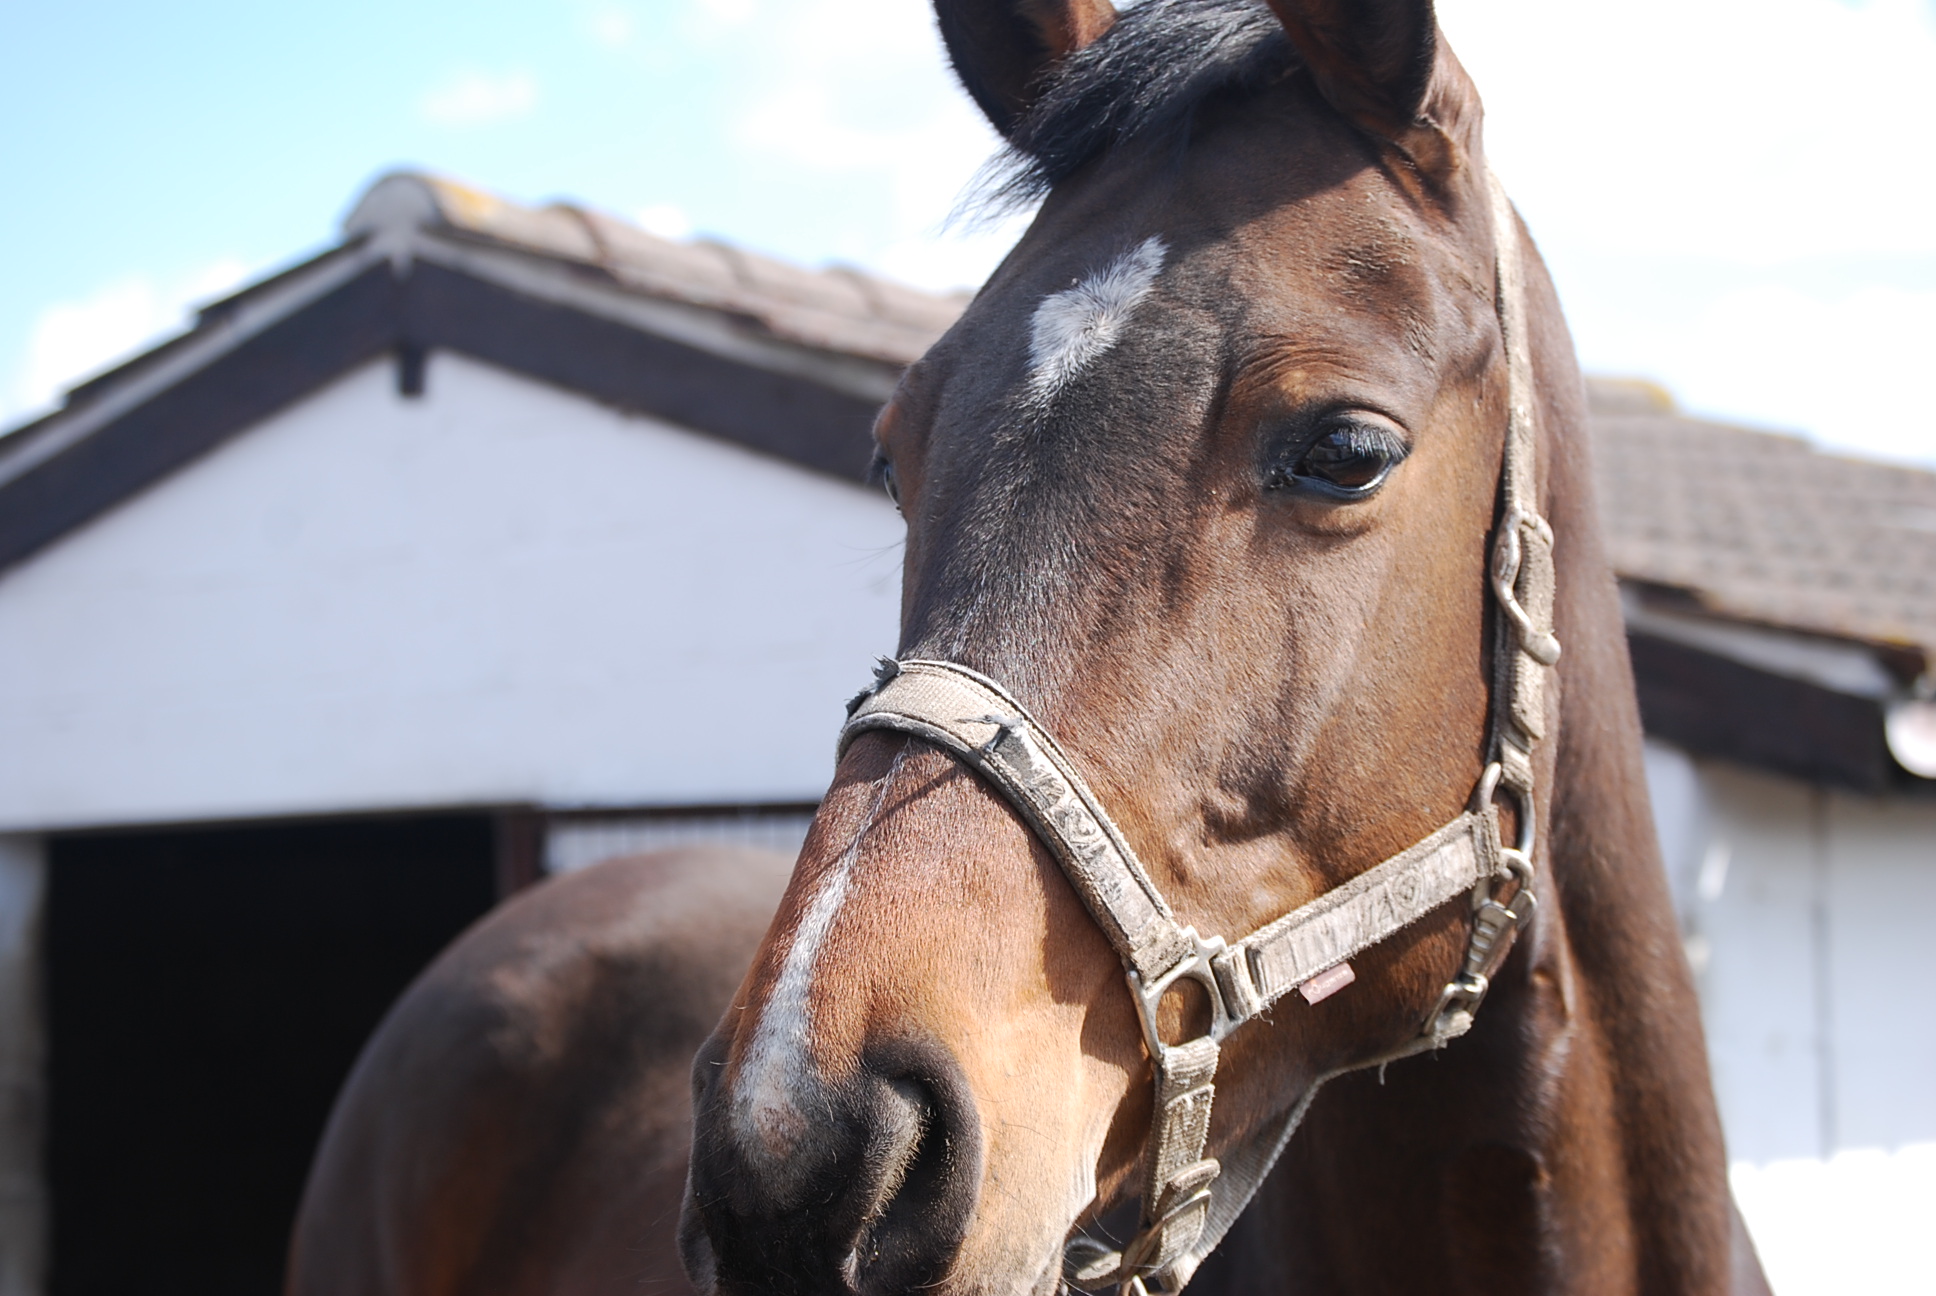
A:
1141, 82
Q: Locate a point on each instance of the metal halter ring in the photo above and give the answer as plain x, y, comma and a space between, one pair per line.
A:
1489, 785
1198, 965
1515, 861
1519, 866
1491, 919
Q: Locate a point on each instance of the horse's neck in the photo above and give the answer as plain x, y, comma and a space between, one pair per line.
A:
1619, 991
1569, 1143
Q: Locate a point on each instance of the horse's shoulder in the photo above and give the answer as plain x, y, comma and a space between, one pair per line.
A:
628, 957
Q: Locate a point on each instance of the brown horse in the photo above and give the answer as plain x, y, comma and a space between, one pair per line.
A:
1231, 493
519, 1122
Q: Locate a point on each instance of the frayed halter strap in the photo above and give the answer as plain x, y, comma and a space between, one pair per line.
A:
974, 718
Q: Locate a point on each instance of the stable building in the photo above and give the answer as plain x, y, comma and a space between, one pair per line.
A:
489, 540
498, 540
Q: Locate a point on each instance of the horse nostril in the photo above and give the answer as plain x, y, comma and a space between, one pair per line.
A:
923, 1163
902, 1122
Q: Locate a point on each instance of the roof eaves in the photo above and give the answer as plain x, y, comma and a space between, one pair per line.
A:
840, 311
100, 401
718, 329
1856, 667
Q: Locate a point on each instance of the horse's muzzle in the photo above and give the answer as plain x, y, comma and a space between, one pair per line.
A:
872, 1195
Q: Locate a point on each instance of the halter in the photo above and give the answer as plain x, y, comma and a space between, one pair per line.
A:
975, 719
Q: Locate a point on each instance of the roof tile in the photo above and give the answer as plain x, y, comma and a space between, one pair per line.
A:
840, 309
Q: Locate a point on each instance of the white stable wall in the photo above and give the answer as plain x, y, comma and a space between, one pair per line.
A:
1808, 916
1811, 920
497, 592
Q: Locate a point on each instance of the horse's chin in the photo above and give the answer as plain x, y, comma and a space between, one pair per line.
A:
1050, 1280
1047, 1281
696, 1251
1015, 1274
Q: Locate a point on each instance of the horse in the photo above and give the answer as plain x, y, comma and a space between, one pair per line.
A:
518, 1123
1230, 818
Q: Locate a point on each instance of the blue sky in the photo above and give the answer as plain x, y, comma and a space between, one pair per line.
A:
1738, 197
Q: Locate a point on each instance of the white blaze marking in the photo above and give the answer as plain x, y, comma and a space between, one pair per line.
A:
1072, 327
777, 1072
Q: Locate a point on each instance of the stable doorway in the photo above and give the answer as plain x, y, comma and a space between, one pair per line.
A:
207, 991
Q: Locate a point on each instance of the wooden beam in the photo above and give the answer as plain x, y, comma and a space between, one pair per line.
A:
520, 836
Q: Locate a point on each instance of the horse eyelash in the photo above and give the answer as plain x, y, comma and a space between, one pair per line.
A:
1364, 438
1361, 436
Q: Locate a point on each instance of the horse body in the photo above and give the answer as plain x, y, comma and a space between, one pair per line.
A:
519, 1123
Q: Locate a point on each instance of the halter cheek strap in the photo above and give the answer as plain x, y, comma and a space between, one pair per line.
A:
975, 719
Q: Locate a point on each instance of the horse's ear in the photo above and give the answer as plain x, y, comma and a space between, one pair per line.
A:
1000, 48
1384, 65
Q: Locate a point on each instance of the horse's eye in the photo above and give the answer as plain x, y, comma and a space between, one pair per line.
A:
1346, 461
881, 473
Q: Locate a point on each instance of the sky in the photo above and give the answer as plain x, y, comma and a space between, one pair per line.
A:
1737, 198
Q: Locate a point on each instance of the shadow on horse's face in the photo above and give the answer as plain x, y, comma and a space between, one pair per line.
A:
1205, 477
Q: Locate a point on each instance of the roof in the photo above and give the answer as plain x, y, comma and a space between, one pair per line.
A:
784, 360
1763, 528
1734, 545
838, 309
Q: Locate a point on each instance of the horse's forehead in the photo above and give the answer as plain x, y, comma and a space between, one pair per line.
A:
1138, 302
1356, 249
1137, 283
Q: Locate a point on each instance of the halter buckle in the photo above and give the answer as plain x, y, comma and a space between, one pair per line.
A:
1517, 529
1199, 963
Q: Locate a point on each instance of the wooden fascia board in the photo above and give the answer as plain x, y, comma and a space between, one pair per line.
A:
185, 420
611, 361
1710, 705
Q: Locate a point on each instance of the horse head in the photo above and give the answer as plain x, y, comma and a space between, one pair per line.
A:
1204, 496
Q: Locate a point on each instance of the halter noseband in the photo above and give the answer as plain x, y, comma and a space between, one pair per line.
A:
975, 719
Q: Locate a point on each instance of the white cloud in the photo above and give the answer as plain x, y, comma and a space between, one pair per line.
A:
73, 340
1761, 165
720, 17
860, 89
612, 26
1853, 370
946, 261
475, 98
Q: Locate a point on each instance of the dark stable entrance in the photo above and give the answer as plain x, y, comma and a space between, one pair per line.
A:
207, 992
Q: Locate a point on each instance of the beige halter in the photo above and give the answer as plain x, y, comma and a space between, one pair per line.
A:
974, 718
